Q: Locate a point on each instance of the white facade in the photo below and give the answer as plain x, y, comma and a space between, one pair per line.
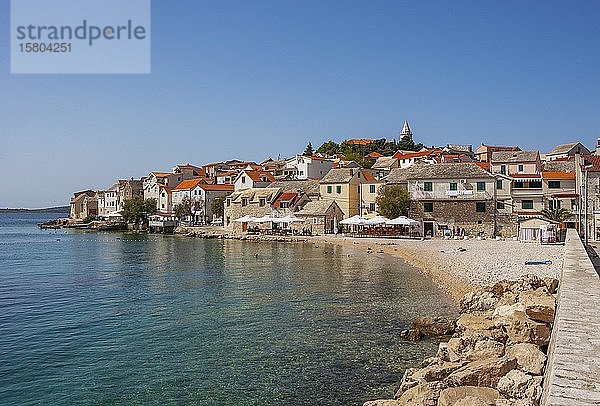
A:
248, 179
304, 167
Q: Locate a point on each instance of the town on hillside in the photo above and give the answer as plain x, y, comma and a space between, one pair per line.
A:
451, 190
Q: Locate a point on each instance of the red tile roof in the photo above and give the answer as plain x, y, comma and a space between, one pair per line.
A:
483, 165
374, 155
369, 177
595, 161
224, 188
188, 184
259, 176
161, 174
418, 154
360, 141
286, 197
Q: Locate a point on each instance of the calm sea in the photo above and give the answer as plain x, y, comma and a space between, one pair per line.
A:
103, 318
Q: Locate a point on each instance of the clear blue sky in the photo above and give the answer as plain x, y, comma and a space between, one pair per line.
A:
258, 79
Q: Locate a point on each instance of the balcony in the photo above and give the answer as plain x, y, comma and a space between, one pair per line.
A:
456, 193
462, 194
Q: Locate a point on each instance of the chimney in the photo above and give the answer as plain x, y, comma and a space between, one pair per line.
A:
598, 143
351, 172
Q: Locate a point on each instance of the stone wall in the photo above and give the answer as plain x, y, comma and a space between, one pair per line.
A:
459, 213
236, 210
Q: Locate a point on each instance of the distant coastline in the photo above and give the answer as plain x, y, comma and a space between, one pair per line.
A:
59, 209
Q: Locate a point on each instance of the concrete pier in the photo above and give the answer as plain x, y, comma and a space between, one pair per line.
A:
573, 372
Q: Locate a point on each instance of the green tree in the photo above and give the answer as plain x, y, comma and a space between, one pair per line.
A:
309, 149
558, 215
358, 158
184, 209
218, 207
136, 209
408, 144
393, 201
150, 206
329, 148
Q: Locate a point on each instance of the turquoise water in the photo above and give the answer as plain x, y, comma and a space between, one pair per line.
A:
107, 319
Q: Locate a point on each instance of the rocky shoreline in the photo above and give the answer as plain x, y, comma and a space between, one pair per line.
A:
496, 355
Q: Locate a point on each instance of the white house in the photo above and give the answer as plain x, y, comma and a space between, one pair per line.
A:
248, 179
308, 167
202, 195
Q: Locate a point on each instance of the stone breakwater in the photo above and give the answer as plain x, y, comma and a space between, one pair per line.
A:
497, 354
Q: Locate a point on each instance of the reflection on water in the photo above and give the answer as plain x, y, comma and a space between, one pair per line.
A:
145, 319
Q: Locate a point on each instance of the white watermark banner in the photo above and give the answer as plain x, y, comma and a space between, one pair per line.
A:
80, 36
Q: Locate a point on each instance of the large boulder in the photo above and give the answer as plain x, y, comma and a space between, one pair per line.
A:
468, 321
485, 372
382, 402
411, 335
473, 345
479, 301
428, 326
521, 329
526, 282
462, 394
529, 357
436, 372
529, 282
472, 401
445, 354
539, 305
485, 349
508, 310
425, 394
434, 326
407, 382
519, 385
551, 285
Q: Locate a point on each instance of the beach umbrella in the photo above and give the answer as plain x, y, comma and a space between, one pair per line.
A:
353, 221
403, 221
376, 221
263, 219
278, 220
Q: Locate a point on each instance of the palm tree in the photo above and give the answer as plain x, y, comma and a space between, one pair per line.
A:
559, 215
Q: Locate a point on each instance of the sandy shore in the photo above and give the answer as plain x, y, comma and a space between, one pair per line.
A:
484, 262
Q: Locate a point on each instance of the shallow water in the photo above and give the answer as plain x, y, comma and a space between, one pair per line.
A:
102, 318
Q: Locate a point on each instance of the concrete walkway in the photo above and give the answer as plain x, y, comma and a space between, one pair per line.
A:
573, 370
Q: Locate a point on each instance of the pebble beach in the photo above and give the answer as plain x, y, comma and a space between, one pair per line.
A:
478, 263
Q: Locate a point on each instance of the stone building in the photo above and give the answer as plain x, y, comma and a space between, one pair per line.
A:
450, 195
587, 177
129, 188
84, 204
310, 187
255, 202
567, 151
344, 186
484, 152
320, 217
